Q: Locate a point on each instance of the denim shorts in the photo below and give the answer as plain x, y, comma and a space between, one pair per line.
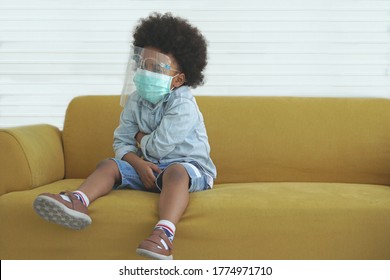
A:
199, 180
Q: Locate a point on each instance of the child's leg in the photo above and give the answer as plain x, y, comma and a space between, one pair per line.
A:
101, 181
173, 202
70, 208
174, 196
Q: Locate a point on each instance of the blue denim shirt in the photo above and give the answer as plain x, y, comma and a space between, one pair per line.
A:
175, 130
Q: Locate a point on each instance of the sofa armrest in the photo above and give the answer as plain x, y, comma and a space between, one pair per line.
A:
30, 156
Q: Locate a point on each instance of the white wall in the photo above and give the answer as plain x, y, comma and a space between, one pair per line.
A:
53, 50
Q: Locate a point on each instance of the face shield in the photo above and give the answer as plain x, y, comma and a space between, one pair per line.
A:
145, 59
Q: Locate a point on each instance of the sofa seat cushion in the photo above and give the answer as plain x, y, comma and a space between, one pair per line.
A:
254, 220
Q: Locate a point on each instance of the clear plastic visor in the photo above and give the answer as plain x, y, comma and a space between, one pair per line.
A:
147, 59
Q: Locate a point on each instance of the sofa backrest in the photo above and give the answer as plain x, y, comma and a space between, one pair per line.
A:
258, 139
88, 131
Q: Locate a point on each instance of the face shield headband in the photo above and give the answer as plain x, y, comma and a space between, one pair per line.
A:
144, 59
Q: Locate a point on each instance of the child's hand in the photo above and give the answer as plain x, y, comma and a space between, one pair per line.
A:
146, 173
145, 169
138, 137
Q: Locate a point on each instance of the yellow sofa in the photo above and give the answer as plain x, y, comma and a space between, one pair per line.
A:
298, 178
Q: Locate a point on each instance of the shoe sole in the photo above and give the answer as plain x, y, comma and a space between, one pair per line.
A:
152, 255
54, 211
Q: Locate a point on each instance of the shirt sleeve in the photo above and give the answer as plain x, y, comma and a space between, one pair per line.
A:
124, 141
178, 121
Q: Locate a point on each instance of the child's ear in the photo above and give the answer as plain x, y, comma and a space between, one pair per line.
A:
179, 80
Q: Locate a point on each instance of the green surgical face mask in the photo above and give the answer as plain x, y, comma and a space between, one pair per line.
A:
152, 86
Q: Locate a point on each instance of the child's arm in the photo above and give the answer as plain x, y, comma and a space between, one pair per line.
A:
124, 141
125, 147
178, 121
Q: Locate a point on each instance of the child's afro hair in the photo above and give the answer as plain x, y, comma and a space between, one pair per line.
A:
176, 37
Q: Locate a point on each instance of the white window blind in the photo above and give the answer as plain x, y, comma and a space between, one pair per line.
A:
52, 51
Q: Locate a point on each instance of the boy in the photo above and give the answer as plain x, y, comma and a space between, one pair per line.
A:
161, 143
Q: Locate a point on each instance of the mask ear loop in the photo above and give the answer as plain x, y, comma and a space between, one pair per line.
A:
172, 80
168, 68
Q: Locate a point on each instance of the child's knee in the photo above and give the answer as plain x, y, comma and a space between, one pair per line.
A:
109, 166
175, 172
